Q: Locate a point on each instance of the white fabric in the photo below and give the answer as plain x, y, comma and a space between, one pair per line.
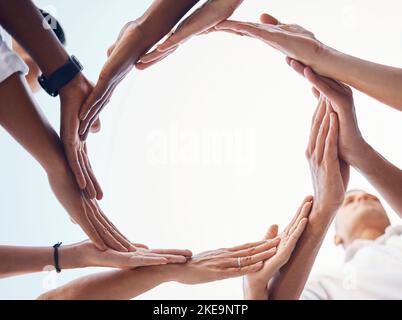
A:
10, 62
372, 270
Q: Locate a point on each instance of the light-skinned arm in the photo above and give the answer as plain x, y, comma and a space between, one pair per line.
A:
376, 80
330, 177
255, 285
383, 175
22, 260
205, 267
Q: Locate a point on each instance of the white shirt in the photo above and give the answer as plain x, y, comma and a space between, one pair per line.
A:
372, 271
10, 62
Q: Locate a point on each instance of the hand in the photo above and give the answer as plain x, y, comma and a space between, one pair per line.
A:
201, 21
122, 56
291, 39
89, 255
340, 96
330, 174
71, 97
256, 284
223, 263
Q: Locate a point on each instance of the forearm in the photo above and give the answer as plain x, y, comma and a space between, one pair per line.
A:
383, 175
22, 260
113, 285
24, 22
21, 117
381, 82
289, 282
158, 21
23, 120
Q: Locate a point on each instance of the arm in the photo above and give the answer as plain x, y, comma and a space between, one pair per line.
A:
29, 127
20, 116
22, 19
382, 174
330, 179
378, 81
136, 38
205, 267
255, 284
21, 260
201, 21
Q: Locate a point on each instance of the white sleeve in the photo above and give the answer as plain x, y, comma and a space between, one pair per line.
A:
314, 290
10, 62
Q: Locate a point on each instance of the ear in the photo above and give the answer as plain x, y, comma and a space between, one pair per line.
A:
268, 19
338, 240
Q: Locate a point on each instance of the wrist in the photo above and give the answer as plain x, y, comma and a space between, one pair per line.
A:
255, 289
70, 257
363, 155
320, 219
78, 83
326, 59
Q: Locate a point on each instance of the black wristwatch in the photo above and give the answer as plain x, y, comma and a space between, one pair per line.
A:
61, 77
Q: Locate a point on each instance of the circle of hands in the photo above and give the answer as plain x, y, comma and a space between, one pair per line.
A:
334, 130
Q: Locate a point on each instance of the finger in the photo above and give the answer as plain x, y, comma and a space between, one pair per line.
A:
72, 156
136, 261
299, 212
297, 66
89, 229
304, 213
272, 232
95, 97
170, 257
185, 253
98, 189
115, 233
193, 25
86, 124
123, 239
90, 189
103, 229
316, 125
96, 126
140, 246
296, 234
238, 272
142, 65
331, 144
247, 261
320, 84
246, 28
316, 93
321, 138
268, 19
91, 119
269, 244
246, 246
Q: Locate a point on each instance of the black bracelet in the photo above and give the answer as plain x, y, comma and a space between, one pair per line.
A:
56, 256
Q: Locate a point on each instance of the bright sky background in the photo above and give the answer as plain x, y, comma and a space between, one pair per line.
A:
206, 149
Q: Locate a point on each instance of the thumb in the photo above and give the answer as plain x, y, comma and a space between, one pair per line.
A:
268, 19
272, 232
